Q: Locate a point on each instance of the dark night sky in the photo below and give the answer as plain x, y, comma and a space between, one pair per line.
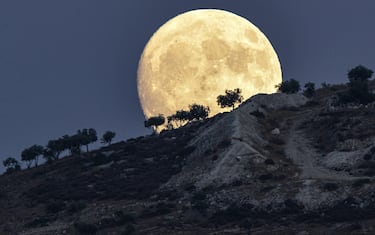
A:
66, 65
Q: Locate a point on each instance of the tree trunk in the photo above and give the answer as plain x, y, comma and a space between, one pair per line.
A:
87, 148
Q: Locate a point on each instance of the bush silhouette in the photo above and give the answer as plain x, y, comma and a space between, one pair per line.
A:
230, 98
11, 165
155, 121
86, 137
309, 90
108, 137
358, 86
30, 155
289, 87
198, 112
180, 118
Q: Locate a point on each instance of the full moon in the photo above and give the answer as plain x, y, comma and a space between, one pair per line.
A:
197, 55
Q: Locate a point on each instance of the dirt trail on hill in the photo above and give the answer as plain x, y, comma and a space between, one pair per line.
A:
302, 152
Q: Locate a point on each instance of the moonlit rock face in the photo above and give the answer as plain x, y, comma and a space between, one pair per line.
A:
197, 55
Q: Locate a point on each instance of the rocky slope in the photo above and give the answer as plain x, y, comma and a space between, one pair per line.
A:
278, 164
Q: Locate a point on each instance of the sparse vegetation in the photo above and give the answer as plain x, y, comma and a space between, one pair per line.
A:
38, 222
53, 149
360, 182
30, 155
309, 90
325, 85
180, 118
230, 98
358, 86
155, 121
85, 228
108, 179
108, 137
129, 229
258, 114
224, 143
86, 137
269, 161
289, 87
74, 207
198, 112
54, 206
11, 165
330, 186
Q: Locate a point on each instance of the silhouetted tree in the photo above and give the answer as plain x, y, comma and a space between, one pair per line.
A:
53, 149
358, 83
179, 118
49, 155
32, 154
230, 98
11, 165
108, 137
155, 121
73, 143
289, 87
359, 73
86, 137
198, 112
309, 90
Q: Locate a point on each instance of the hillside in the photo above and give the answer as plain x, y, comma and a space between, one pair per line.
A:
278, 164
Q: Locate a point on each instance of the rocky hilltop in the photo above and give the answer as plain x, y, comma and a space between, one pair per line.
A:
278, 164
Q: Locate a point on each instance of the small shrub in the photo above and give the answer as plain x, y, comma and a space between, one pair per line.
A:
312, 103
237, 183
330, 186
186, 151
215, 157
75, 207
225, 143
277, 140
267, 189
201, 206
199, 203
189, 187
367, 165
122, 218
107, 222
38, 222
129, 229
291, 206
232, 214
100, 159
258, 114
360, 182
269, 161
266, 177
369, 172
199, 196
309, 90
130, 149
355, 227
160, 209
367, 157
289, 87
55, 206
84, 228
